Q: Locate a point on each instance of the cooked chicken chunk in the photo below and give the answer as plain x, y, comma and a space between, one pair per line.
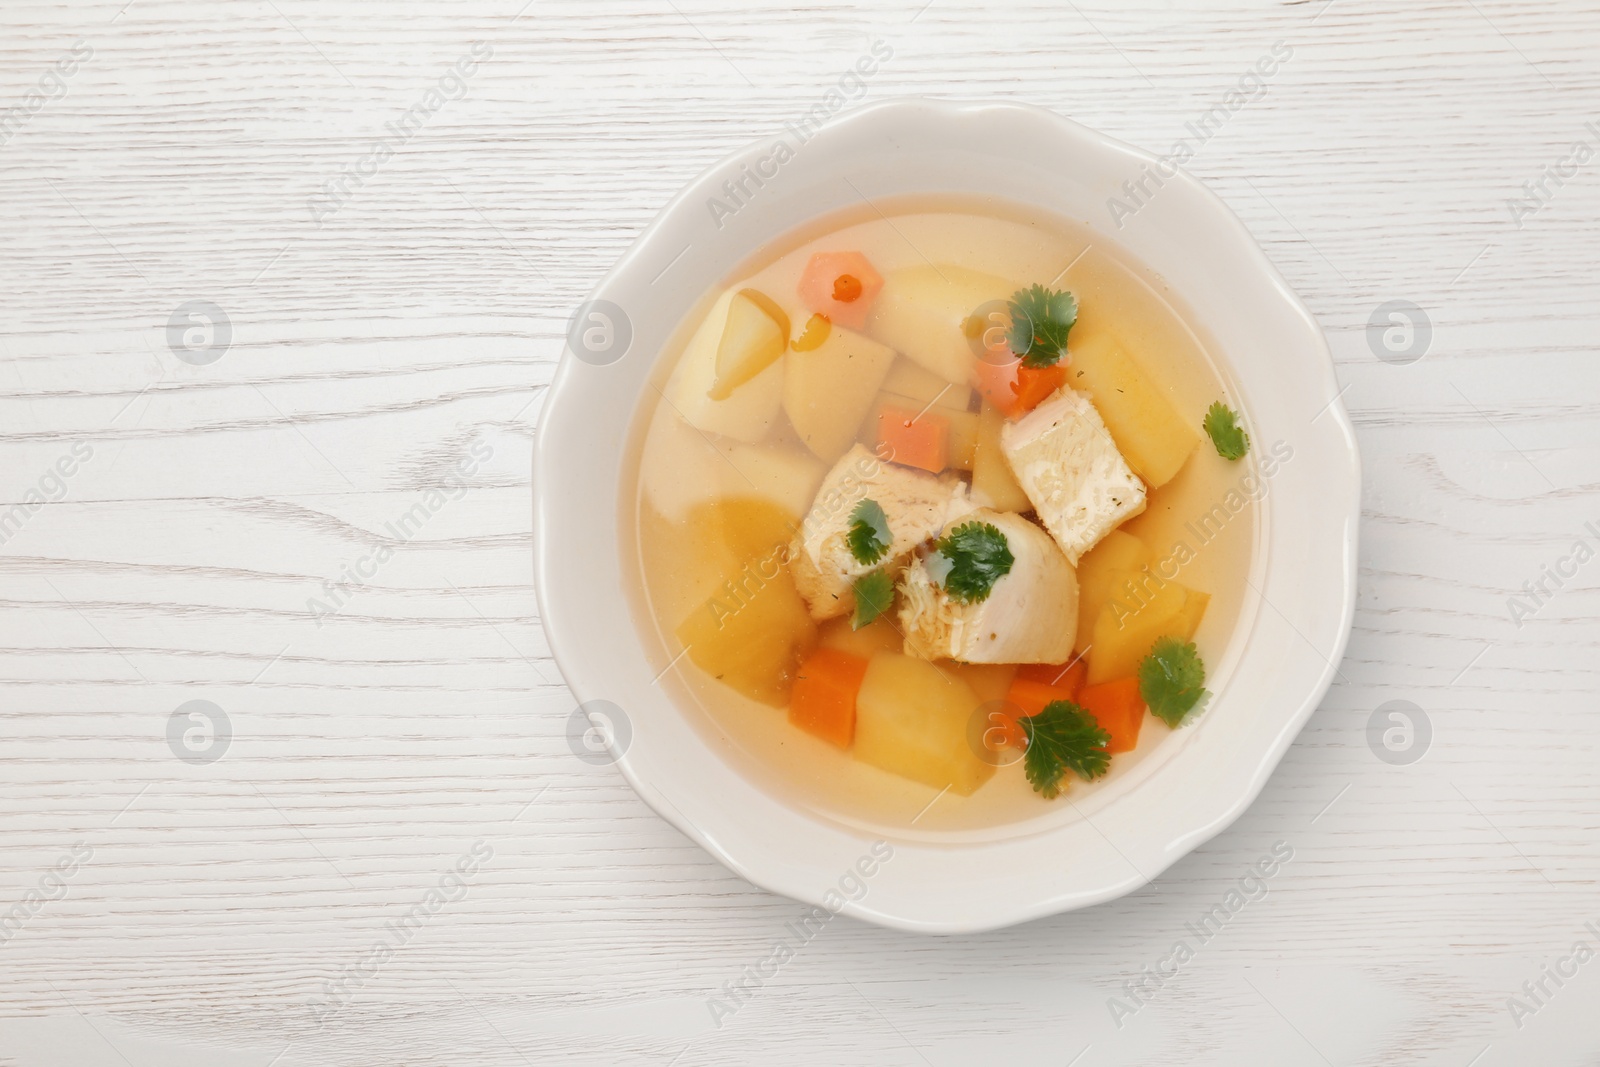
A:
1029, 616
1064, 459
916, 505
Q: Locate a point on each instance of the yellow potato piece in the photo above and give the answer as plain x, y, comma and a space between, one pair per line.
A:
753, 629
877, 636
694, 557
1117, 551
750, 411
745, 527
1142, 610
991, 473
990, 681
827, 390
683, 468
907, 379
1194, 609
1149, 430
754, 336
964, 430
923, 312
915, 720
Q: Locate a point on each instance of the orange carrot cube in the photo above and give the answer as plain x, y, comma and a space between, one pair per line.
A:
917, 439
1119, 708
1068, 676
824, 699
1013, 388
842, 286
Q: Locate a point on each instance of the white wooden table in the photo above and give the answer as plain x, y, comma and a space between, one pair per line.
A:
247, 904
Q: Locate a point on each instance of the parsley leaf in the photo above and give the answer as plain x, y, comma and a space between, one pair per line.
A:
1040, 320
874, 596
868, 536
1222, 424
1171, 680
1063, 737
978, 556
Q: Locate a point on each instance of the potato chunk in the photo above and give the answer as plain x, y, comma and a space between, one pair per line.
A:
924, 312
682, 468
754, 336
1119, 551
750, 409
697, 557
877, 636
1143, 608
1143, 420
919, 387
828, 390
753, 634
993, 484
990, 681
912, 719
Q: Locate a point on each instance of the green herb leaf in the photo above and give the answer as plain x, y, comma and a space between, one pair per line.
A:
1063, 737
1171, 680
978, 557
874, 596
1222, 424
1040, 321
868, 536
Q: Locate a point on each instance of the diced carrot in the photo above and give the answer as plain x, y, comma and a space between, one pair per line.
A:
917, 439
1013, 388
842, 286
1030, 696
995, 376
824, 700
1068, 676
1119, 708
1033, 385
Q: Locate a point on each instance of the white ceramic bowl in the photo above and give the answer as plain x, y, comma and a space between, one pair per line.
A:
1285, 648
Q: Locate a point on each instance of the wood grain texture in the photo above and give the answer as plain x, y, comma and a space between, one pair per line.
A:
211, 906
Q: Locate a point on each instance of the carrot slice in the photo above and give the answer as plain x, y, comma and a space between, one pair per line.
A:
1034, 384
824, 700
917, 439
1013, 388
1037, 685
995, 376
1119, 708
1068, 676
842, 286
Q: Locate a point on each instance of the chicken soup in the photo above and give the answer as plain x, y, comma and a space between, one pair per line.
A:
940, 513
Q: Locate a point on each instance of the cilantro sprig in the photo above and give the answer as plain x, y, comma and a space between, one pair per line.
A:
874, 596
1061, 738
868, 535
1222, 425
1040, 321
974, 556
1172, 680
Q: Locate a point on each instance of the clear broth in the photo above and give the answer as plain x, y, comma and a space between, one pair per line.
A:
1115, 294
